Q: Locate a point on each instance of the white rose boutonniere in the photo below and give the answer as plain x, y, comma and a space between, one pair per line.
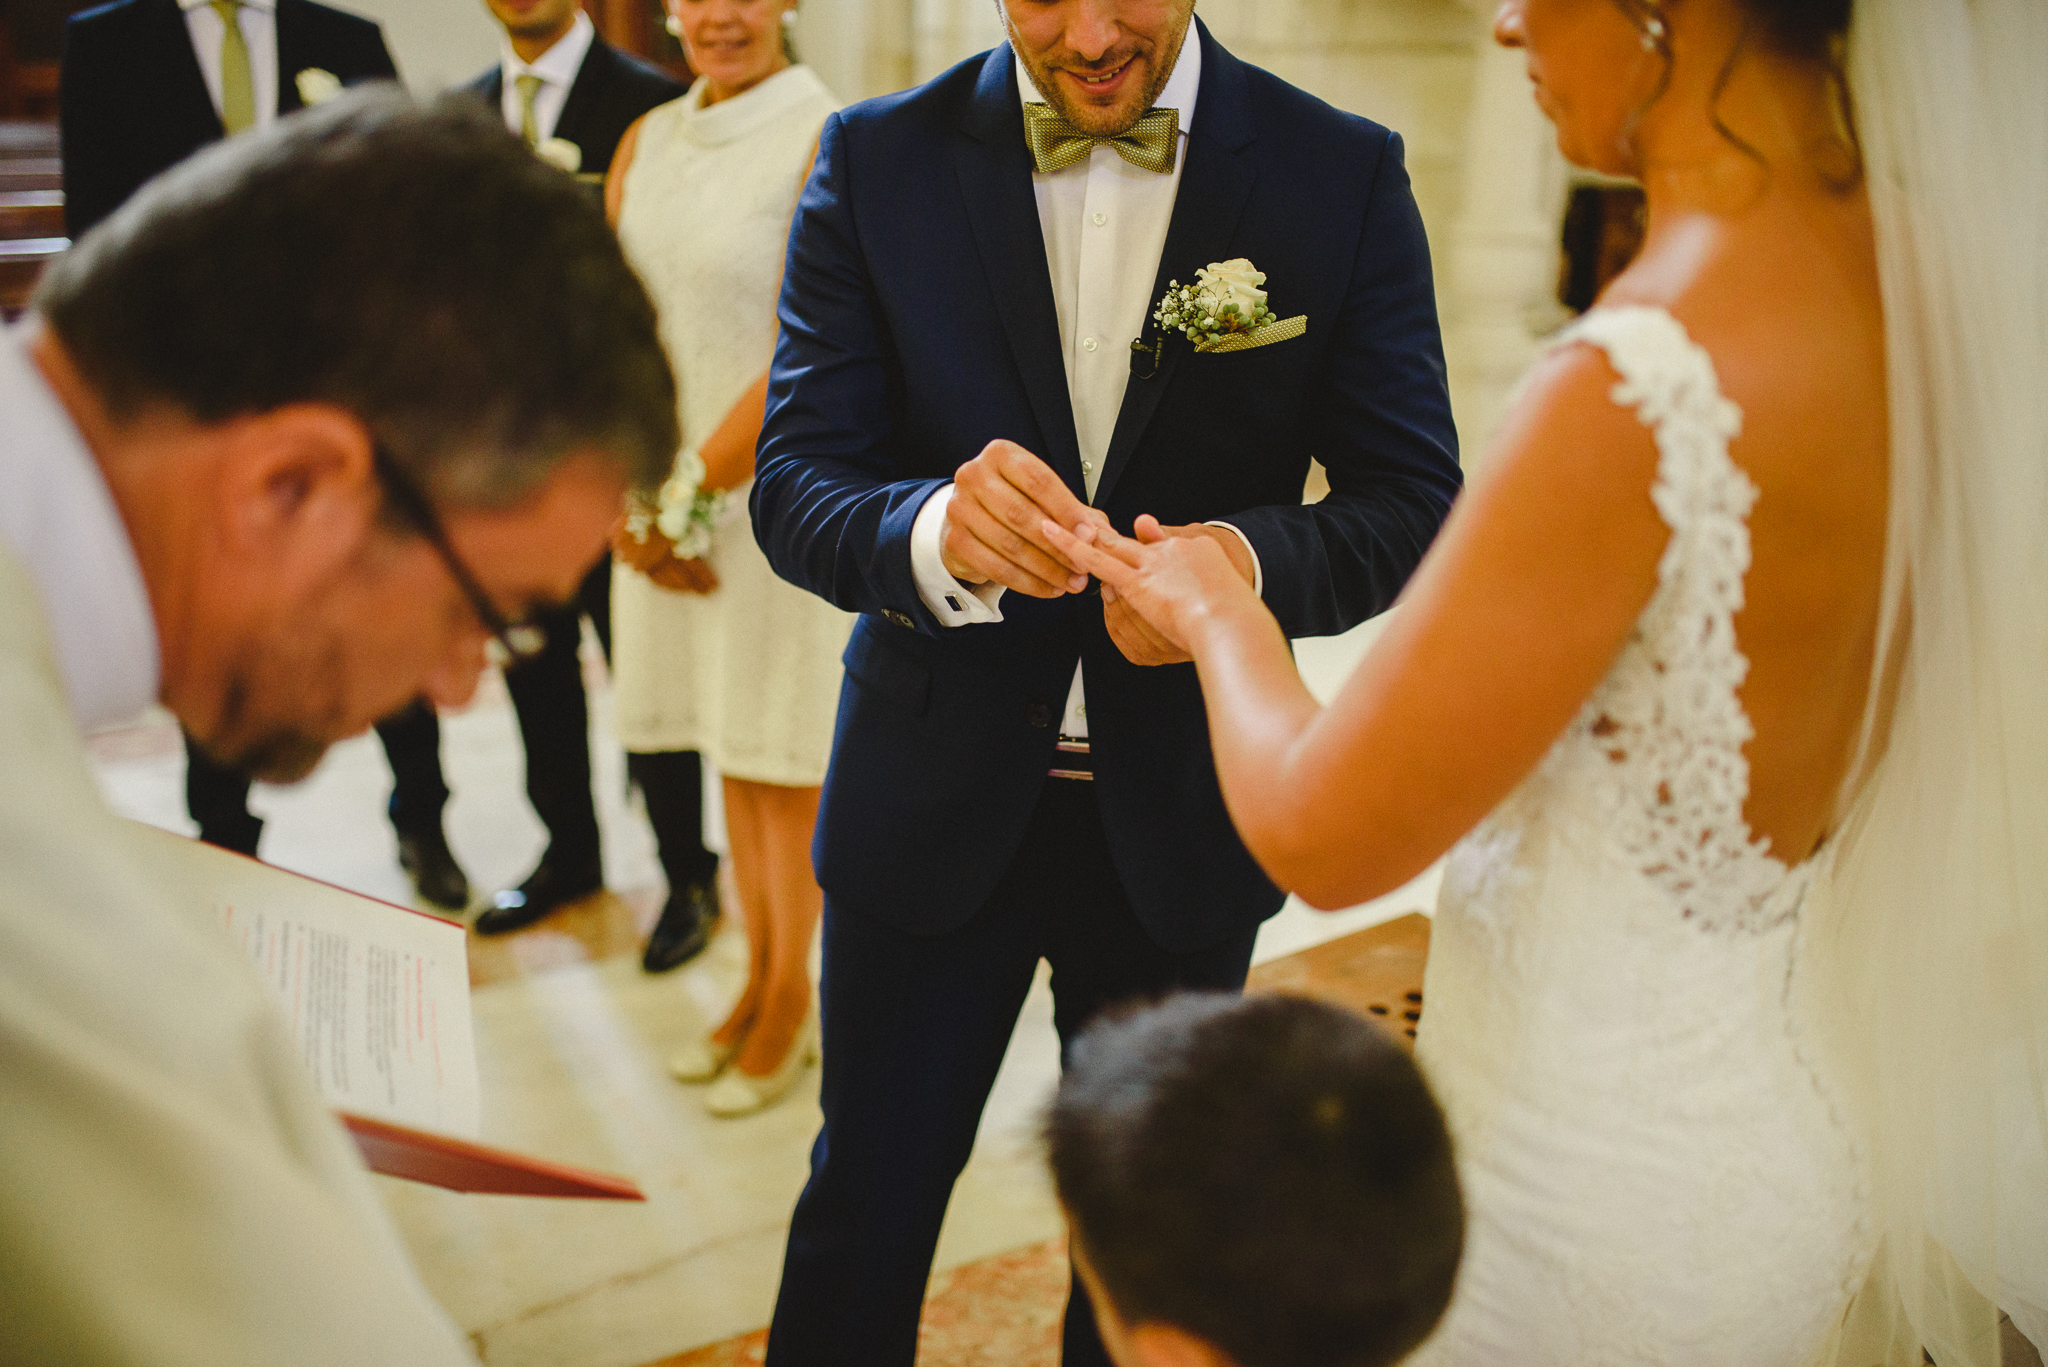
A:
560, 152
1233, 282
1225, 309
316, 86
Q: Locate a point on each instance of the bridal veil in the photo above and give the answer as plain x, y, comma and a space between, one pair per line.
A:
1928, 944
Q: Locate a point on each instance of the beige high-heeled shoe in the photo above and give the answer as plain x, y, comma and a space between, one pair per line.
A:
700, 1060
737, 1093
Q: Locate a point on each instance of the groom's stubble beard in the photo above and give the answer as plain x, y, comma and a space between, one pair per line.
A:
1160, 57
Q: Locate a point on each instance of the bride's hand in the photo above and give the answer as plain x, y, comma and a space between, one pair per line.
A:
1163, 583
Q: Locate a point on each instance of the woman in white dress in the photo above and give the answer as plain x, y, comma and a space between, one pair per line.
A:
712, 652
1635, 683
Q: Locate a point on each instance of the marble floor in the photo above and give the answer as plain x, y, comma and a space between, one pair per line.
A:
570, 1039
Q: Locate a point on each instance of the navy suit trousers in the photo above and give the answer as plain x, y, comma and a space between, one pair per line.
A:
915, 1028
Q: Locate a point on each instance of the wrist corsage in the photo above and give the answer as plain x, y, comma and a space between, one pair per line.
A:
684, 511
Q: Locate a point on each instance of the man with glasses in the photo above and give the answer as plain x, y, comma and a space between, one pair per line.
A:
283, 444
146, 84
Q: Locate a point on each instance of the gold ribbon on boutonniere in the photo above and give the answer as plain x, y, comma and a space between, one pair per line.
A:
1264, 335
1225, 309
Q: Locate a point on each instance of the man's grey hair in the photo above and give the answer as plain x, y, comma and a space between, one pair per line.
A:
412, 263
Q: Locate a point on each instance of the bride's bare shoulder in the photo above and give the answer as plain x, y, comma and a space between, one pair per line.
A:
1789, 310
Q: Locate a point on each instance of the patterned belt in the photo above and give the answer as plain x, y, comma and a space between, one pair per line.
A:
1073, 760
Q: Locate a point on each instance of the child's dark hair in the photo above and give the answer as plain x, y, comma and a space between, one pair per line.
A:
1268, 1173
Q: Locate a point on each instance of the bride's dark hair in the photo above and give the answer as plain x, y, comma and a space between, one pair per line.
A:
1815, 31
1804, 28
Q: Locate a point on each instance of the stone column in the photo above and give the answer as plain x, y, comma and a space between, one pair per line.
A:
859, 48
1503, 259
949, 31
1403, 63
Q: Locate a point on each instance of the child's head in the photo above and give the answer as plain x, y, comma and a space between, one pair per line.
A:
1260, 1181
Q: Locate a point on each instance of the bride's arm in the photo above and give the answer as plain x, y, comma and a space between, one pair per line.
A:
1514, 615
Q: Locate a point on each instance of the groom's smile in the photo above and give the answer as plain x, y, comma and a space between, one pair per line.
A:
1100, 63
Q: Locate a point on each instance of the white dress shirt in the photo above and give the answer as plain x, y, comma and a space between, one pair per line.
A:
258, 22
1104, 222
59, 520
557, 68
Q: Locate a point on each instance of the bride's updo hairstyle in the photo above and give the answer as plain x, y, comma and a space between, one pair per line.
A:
1798, 28
1815, 31
1804, 28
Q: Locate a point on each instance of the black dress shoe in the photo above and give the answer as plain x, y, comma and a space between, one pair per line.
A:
241, 839
435, 874
552, 884
684, 928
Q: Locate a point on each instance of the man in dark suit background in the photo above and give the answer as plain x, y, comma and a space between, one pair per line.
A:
560, 86
583, 90
1020, 771
146, 83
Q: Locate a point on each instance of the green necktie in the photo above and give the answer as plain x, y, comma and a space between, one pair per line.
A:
1151, 143
237, 89
529, 126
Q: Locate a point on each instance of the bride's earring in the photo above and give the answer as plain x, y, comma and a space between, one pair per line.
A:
789, 18
674, 26
1653, 33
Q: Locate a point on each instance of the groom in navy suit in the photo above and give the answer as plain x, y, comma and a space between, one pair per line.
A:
1020, 770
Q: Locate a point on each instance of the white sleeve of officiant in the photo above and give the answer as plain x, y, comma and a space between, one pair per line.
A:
955, 604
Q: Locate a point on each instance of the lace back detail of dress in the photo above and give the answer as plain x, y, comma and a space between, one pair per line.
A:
1667, 724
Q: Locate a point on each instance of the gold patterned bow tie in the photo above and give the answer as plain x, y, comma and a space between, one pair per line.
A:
1150, 144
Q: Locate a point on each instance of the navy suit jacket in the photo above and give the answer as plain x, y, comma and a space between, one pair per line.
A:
918, 325
133, 102
611, 90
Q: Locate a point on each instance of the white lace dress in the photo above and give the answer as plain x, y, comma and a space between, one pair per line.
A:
749, 674
1654, 1169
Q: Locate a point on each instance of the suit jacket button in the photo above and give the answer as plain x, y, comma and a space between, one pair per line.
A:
901, 619
1038, 714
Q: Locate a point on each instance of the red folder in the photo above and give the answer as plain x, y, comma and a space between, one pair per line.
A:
462, 1165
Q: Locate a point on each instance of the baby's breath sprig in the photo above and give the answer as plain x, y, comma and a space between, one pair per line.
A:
1200, 316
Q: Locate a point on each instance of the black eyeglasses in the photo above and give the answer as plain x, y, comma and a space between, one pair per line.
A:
519, 640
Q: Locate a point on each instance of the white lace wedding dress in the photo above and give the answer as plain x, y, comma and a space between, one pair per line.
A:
1655, 1171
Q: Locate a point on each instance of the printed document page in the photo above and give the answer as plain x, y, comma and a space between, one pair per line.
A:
377, 994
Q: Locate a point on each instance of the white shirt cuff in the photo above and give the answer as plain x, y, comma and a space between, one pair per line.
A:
1258, 570
955, 604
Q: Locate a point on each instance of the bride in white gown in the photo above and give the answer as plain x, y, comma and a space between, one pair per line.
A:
1725, 611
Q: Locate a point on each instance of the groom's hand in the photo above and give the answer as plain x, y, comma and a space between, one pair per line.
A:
1140, 641
994, 533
